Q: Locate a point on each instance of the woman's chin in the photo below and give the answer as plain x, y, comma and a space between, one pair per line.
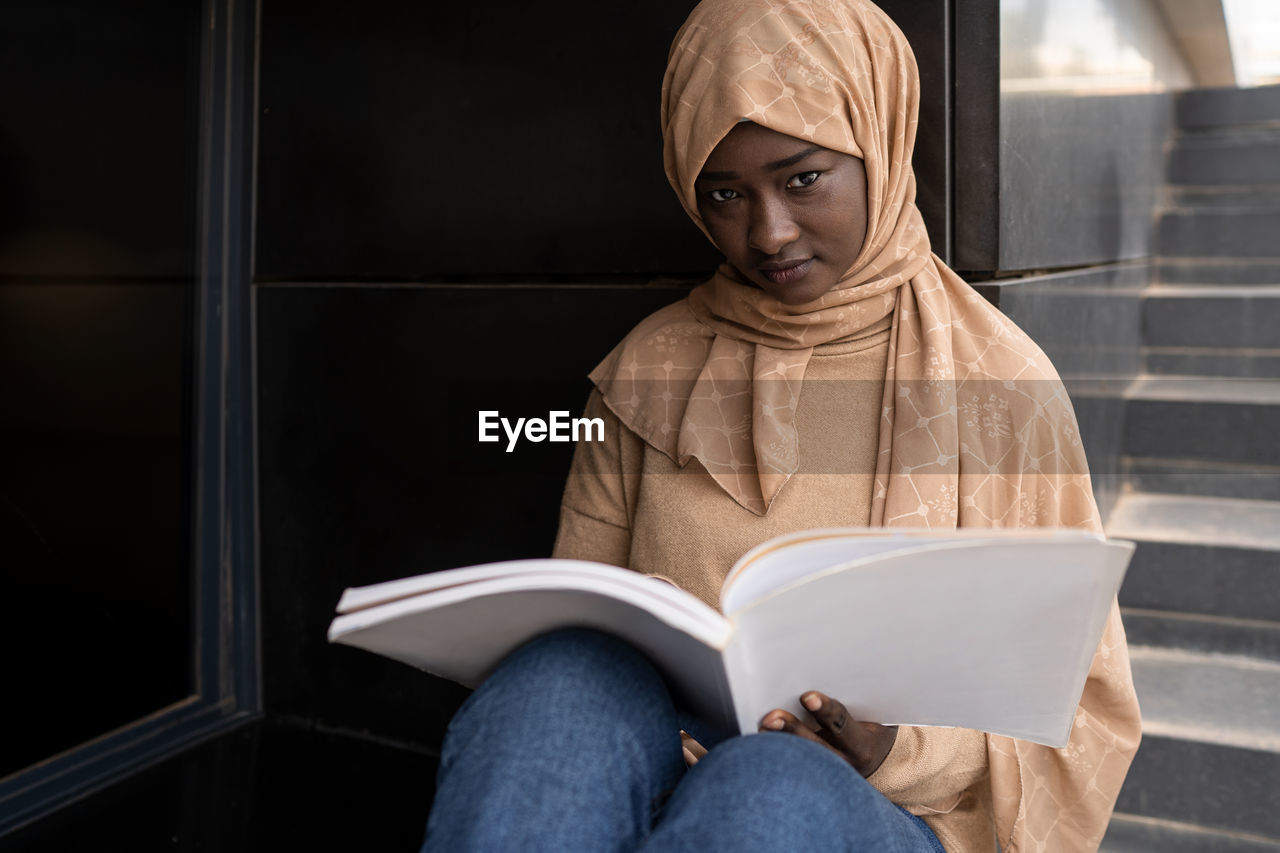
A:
798, 295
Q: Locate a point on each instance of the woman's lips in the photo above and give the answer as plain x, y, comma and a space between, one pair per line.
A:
787, 271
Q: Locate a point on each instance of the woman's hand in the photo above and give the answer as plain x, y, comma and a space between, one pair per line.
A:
864, 745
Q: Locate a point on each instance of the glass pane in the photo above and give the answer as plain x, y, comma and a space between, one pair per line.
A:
98, 219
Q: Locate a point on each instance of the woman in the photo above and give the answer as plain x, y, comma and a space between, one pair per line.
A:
833, 372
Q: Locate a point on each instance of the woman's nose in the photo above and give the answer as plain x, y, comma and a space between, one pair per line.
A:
772, 227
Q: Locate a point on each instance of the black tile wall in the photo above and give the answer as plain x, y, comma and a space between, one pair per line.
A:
446, 141
98, 139
1206, 108
1079, 177
370, 468
94, 509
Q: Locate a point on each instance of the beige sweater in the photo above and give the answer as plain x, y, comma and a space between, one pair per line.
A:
629, 505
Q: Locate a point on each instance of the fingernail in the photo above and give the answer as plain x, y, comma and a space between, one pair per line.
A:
812, 701
773, 725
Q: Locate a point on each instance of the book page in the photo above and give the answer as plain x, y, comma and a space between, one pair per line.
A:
463, 630
785, 560
992, 635
358, 598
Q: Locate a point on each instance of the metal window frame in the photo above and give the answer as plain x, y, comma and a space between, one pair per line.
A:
227, 688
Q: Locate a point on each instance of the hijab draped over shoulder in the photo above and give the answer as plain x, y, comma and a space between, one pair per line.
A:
975, 428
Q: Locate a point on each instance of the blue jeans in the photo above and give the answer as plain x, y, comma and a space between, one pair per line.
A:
573, 744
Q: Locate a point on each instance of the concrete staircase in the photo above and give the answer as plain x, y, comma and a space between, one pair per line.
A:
1202, 438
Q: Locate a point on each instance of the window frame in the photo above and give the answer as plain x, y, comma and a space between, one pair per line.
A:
224, 553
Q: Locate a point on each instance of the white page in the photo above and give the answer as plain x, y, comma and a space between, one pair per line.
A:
462, 632
991, 635
785, 560
357, 598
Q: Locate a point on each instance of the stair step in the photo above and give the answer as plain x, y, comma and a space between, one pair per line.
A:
1211, 271
1208, 556
1212, 580
1220, 699
1209, 108
1218, 419
1133, 834
1226, 522
1189, 315
1222, 195
1249, 232
1215, 635
1245, 157
1203, 479
1210, 754
1207, 784
1244, 363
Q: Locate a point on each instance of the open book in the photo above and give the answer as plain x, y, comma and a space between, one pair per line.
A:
985, 629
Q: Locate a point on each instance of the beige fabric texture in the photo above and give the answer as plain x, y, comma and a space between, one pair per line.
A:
975, 429
631, 505
628, 504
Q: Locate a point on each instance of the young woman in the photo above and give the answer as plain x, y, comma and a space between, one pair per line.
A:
832, 372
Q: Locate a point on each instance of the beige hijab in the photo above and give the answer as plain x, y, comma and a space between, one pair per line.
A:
976, 430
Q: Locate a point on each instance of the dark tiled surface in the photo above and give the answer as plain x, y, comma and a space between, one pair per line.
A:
93, 509
1197, 633
1248, 317
1169, 428
370, 469
1242, 158
433, 140
1137, 835
264, 787
1218, 271
1216, 362
1193, 477
1205, 579
1220, 233
1130, 835
1205, 784
977, 136
1079, 177
377, 160
1218, 107
1086, 321
928, 28
1245, 194
98, 145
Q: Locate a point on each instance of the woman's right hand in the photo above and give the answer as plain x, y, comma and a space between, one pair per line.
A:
864, 745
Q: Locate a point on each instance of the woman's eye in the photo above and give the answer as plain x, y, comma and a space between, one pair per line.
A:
803, 179
722, 195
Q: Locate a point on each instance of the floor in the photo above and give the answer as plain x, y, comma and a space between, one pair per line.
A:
265, 786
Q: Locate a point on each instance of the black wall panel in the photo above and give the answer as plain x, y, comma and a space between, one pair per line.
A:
98, 187
445, 140
98, 138
442, 142
928, 27
370, 469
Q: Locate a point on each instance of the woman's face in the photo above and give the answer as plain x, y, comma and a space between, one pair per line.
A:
789, 215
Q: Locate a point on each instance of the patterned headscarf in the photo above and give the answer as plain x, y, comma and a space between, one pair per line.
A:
975, 431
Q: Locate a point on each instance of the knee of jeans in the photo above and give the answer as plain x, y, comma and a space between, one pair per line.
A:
584, 653
573, 671
576, 643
